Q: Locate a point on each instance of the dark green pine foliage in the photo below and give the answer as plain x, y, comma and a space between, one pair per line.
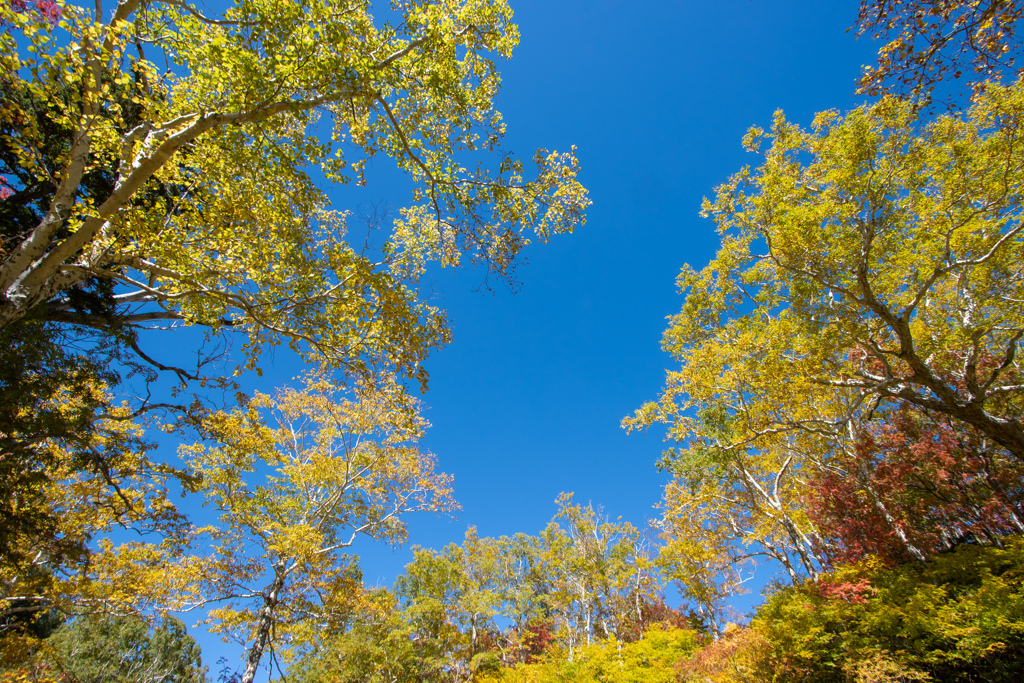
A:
127, 650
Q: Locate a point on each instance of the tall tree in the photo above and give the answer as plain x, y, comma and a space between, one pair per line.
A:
601, 577
134, 195
340, 466
869, 263
243, 238
472, 609
722, 514
126, 650
871, 260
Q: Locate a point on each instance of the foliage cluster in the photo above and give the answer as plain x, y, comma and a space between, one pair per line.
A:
583, 590
102, 648
849, 378
161, 168
936, 41
654, 658
958, 618
847, 401
99, 649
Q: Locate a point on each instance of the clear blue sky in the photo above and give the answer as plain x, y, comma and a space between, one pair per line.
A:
526, 402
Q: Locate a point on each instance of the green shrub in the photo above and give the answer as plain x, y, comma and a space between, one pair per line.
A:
958, 618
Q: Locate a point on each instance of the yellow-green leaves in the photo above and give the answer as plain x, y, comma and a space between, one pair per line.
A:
174, 165
654, 658
873, 258
96, 481
211, 216
872, 261
295, 479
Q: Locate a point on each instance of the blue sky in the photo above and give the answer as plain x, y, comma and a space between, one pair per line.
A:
526, 401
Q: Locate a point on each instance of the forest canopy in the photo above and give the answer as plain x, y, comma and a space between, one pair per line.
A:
162, 167
843, 409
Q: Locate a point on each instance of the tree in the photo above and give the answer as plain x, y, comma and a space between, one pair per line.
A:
934, 41
472, 605
34, 371
869, 265
500, 601
379, 646
134, 196
717, 524
873, 260
213, 218
126, 650
601, 578
914, 485
473, 609
98, 482
731, 658
958, 618
653, 658
340, 467
42, 360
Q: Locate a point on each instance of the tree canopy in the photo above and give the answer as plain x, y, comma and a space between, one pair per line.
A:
846, 401
189, 187
931, 42
875, 258
127, 650
848, 362
584, 590
163, 167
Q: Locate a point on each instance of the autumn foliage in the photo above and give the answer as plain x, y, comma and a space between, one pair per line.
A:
940, 482
846, 406
932, 41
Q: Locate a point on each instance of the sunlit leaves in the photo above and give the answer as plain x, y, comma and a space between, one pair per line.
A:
215, 218
870, 262
295, 479
934, 42
957, 619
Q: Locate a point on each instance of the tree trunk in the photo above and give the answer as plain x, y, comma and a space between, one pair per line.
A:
266, 623
908, 545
